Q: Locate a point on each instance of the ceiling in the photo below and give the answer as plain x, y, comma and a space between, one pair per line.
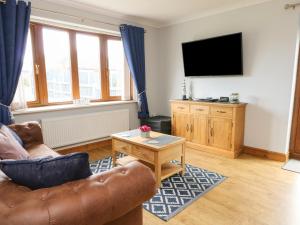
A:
160, 13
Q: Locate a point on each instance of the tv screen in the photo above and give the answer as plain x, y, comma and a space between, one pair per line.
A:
219, 56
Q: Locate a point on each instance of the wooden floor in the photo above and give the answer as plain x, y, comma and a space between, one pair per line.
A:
257, 192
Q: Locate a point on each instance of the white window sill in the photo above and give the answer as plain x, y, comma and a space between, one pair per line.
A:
68, 107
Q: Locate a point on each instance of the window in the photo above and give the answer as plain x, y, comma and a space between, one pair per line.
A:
89, 67
58, 65
62, 65
116, 66
27, 75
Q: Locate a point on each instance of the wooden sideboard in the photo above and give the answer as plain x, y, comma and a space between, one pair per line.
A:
210, 127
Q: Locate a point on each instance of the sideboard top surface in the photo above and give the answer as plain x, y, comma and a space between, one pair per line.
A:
237, 105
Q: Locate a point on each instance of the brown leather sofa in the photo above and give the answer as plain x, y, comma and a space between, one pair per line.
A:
114, 197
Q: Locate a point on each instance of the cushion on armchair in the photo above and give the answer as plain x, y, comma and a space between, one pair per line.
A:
48, 171
11, 145
14, 134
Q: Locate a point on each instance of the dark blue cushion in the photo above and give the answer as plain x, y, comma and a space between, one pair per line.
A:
48, 171
14, 134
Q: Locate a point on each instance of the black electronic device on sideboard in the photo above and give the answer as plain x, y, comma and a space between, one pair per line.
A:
224, 99
209, 99
234, 98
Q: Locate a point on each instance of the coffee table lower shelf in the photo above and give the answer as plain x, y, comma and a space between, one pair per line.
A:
167, 169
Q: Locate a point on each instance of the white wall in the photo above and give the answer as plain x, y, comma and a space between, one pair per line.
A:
269, 43
71, 17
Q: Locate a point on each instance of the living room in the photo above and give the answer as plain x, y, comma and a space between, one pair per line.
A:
84, 82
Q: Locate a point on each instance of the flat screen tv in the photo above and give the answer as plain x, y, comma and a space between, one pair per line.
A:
219, 56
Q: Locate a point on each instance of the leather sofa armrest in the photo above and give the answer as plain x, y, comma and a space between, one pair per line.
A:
122, 190
97, 200
29, 132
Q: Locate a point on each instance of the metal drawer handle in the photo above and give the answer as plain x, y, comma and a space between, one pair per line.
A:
219, 111
180, 107
199, 109
187, 127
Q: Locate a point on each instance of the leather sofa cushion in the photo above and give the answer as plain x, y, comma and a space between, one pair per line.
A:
41, 150
47, 171
30, 133
10, 148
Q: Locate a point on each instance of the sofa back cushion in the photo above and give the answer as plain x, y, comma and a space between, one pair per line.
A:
48, 171
11, 145
29, 132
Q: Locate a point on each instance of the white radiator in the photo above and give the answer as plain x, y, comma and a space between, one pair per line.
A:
74, 129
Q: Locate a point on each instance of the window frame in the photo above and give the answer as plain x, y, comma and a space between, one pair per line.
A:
39, 66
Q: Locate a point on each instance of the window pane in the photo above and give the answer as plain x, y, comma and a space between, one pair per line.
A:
88, 54
27, 74
116, 67
58, 65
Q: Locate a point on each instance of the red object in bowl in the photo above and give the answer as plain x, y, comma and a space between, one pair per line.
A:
145, 128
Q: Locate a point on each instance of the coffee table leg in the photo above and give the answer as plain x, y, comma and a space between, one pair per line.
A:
113, 153
114, 158
157, 169
183, 160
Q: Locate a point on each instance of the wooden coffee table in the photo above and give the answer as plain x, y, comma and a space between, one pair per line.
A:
155, 155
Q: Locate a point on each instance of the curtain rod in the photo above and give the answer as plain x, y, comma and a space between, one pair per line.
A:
69, 15
76, 17
291, 6
82, 19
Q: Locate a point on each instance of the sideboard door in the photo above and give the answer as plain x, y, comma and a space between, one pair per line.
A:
220, 131
199, 129
181, 125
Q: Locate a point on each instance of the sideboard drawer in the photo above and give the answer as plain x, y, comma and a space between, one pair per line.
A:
180, 107
200, 109
221, 111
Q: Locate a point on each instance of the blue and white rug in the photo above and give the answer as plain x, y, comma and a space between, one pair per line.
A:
176, 192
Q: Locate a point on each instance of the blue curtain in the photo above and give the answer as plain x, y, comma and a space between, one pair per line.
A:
14, 24
134, 47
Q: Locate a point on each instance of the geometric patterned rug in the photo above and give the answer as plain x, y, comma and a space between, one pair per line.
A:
176, 192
